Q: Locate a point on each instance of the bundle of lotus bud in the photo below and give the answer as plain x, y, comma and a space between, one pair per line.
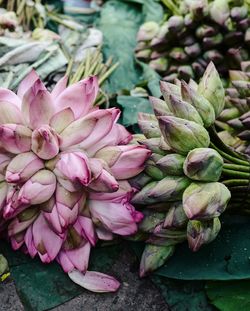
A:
235, 118
191, 174
204, 31
64, 166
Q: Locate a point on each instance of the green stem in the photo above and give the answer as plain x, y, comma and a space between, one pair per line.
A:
242, 168
235, 182
171, 6
218, 142
235, 173
229, 157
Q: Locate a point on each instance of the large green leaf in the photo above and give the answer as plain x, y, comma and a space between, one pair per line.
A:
41, 287
183, 295
227, 258
131, 106
230, 296
119, 23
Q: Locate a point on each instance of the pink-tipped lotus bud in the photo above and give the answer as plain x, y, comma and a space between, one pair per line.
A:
203, 164
148, 31
73, 166
154, 257
41, 239
202, 232
15, 138
205, 200
116, 217
22, 167
45, 142
23, 221
65, 209
37, 105
12, 205
175, 217
38, 189
183, 135
212, 89
124, 161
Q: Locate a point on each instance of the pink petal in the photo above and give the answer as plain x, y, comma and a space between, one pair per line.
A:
79, 257
117, 135
95, 281
41, 109
62, 119
79, 97
15, 138
114, 216
7, 96
59, 87
51, 241
104, 183
101, 129
26, 83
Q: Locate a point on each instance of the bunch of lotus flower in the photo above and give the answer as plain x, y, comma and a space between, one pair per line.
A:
64, 166
202, 31
191, 175
235, 118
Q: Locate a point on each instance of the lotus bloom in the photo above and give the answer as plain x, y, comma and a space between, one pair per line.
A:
63, 170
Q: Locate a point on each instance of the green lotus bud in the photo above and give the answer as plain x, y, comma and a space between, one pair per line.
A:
183, 110
205, 31
142, 197
229, 139
150, 221
213, 56
205, 200
172, 236
212, 42
154, 257
245, 66
211, 88
243, 87
229, 113
183, 135
193, 50
245, 135
203, 164
201, 104
140, 180
148, 125
148, 31
179, 55
185, 72
143, 54
172, 164
238, 13
237, 75
153, 144
175, 23
202, 232
175, 217
168, 89
159, 64
153, 171
169, 188
219, 11
160, 107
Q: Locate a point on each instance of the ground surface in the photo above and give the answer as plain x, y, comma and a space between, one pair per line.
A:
134, 294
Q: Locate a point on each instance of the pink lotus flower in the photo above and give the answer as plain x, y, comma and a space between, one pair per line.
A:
63, 170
